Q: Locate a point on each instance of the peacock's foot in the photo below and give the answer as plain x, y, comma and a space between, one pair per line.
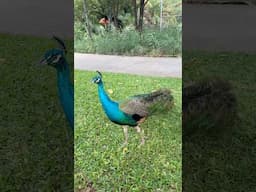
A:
138, 129
125, 144
142, 142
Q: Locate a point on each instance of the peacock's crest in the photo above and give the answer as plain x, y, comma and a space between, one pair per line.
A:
97, 79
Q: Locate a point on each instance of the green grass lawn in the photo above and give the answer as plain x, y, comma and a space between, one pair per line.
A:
36, 151
99, 156
226, 163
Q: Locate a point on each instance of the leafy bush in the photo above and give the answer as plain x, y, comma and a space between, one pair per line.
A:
150, 42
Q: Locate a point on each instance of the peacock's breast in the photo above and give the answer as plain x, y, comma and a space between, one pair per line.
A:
112, 111
111, 108
117, 116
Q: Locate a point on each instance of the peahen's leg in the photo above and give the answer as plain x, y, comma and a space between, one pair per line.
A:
141, 132
125, 128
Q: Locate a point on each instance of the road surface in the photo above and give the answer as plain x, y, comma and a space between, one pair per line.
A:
148, 66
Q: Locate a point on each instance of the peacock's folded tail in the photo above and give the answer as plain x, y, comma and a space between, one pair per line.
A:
208, 103
148, 104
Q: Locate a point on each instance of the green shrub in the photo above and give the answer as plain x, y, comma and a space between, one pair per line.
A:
150, 42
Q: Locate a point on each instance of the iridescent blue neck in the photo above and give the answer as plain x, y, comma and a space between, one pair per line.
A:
63, 76
112, 110
63, 68
66, 91
104, 98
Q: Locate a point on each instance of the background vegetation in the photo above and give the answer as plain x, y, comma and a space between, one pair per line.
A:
245, 2
136, 38
99, 155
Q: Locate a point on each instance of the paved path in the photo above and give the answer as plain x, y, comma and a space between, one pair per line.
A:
219, 27
148, 66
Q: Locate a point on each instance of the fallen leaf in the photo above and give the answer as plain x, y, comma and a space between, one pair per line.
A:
110, 91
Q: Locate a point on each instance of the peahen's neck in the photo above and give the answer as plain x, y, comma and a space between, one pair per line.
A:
66, 91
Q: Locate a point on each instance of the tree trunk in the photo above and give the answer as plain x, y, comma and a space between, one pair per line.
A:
110, 14
115, 13
87, 23
135, 14
142, 4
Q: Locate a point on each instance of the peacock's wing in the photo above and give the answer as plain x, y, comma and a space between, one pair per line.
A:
134, 105
147, 104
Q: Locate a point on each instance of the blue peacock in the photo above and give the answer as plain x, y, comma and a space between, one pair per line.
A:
56, 58
133, 111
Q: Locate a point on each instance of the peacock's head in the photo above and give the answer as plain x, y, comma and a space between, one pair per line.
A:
55, 57
97, 79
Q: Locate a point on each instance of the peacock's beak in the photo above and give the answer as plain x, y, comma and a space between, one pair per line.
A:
43, 61
94, 80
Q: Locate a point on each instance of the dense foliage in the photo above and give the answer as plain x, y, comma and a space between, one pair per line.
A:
92, 37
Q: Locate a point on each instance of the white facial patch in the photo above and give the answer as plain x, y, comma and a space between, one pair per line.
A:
57, 59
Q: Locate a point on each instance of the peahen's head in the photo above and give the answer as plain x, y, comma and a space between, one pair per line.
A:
98, 78
55, 57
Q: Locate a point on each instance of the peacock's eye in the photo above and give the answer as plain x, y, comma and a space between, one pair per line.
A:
56, 58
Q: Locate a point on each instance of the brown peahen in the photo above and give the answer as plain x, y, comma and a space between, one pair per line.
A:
133, 111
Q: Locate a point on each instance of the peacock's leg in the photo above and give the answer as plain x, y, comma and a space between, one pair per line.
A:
141, 132
125, 128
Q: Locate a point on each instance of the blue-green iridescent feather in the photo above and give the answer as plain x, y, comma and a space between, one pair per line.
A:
66, 92
112, 109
